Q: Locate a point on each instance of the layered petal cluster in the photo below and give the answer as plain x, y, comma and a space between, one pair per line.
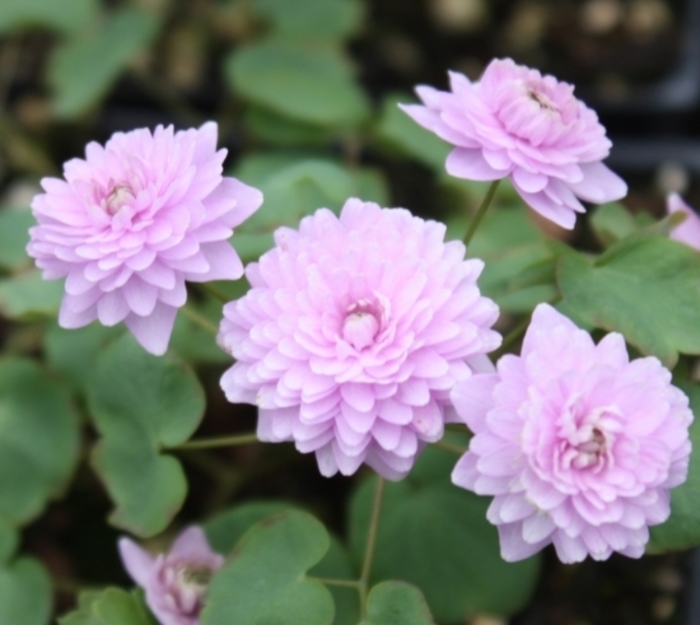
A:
687, 232
175, 583
133, 221
578, 445
519, 124
353, 334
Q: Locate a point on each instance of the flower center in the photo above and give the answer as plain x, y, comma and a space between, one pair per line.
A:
541, 99
589, 451
120, 196
361, 324
188, 587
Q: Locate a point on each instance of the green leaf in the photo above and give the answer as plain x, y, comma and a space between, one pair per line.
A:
83, 70
682, 530
9, 540
519, 264
71, 353
332, 19
436, 536
397, 130
645, 287
112, 606
38, 440
25, 593
14, 236
613, 222
28, 296
61, 15
397, 603
227, 528
194, 343
290, 194
264, 578
278, 130
302, 80
140, 404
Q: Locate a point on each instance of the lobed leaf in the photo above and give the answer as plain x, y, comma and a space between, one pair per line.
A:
227, 528
306, 81
397, 603
28, 296
14, 236
38, 440
63, 16
140, 404
645, 287
82, 70
296, 190
25, 593
332, 19
263, 582
112, 606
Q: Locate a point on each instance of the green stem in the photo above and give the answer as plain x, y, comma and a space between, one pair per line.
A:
454, 449
220, 441
371, 543
216, 293
344, 583
200, 320
474, 224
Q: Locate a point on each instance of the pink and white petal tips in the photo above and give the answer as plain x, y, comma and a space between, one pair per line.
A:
175, 583
519, 124
135, 220
687, 232
354, 332
577, 444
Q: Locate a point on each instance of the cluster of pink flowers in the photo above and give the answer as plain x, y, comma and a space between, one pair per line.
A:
353, 333
175, 583
363, 334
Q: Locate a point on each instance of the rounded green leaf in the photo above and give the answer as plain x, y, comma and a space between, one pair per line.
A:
71, 353
83, 69
25, 594
397, 603
682, 530
311, 18
9, 540
302, 80
293, 192
227, 528
141, 403
263, 582
112, 606
38, 440
645, 287
436, 536
28, 296
283, 131
61, 15
14, 236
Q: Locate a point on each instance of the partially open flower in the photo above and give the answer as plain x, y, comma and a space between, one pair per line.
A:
135, 220
578, 445
687, 232
353, 333
519, 124
175, 583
